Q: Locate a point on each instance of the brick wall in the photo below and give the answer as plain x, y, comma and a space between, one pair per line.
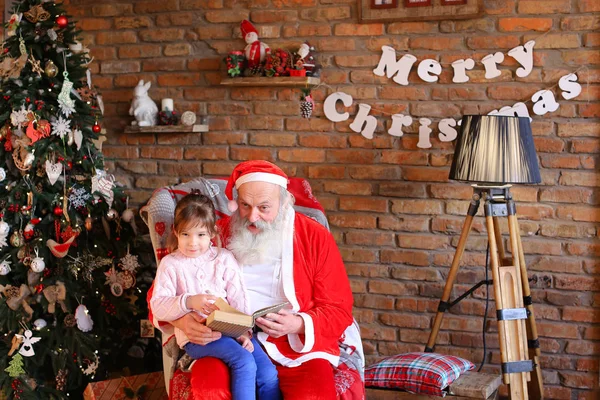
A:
394, 215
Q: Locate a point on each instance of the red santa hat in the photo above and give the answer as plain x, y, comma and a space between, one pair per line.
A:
247, 27
253, 171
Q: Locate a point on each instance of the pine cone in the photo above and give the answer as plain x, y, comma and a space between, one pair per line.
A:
306, 108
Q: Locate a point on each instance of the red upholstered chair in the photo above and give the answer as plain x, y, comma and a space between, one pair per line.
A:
209, 377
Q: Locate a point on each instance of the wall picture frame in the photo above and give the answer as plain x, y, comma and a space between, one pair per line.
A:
417, 10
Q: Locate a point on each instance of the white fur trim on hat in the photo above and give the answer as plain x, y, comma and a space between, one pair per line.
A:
261, 177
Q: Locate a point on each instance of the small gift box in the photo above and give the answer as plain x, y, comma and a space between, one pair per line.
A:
138, 387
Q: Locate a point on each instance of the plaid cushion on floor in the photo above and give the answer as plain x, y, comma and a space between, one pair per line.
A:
425, 373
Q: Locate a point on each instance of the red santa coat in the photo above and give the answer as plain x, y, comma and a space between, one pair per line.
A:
315, 283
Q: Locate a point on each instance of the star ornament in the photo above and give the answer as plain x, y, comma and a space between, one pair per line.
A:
35, 65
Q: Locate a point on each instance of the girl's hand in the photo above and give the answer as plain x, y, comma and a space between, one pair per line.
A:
202, 303
246, 343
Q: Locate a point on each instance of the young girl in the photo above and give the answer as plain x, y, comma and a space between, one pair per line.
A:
195, 274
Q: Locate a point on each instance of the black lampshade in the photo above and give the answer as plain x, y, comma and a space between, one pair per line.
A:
495, 149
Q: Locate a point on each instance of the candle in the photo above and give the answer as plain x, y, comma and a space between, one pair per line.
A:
166, 105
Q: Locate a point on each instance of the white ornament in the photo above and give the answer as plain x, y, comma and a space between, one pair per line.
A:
447, 132
388, 65
129, 263
65, 101
17, 117
524, 56
398, 121
5, 267
127, 215
2, 174
188, 118
103, 183
429, 70
460, 66
26, 349
39, 324
490, 63
544, 102
363, 118
53, 170
329, 106
61, 127
569, 84
29, 159
38, 265
91, 368
78, 137
424, 132
143, 108
4, 229
84, 321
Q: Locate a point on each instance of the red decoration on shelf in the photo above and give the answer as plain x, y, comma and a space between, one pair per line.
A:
62, 21
96, 128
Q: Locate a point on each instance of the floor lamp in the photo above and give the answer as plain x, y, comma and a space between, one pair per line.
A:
493, 152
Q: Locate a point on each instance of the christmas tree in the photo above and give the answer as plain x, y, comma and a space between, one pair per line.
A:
72, 291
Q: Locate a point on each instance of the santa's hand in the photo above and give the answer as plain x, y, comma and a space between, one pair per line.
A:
280, 324
195, 329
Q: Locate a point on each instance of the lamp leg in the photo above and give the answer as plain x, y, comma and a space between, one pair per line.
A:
536, 385
460, 248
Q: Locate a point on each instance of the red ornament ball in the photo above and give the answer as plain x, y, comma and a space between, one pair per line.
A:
62, 21
96, 128
58, 211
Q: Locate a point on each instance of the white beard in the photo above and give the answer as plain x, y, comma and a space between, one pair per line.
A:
257, 248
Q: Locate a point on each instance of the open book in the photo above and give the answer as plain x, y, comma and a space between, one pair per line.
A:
234, 323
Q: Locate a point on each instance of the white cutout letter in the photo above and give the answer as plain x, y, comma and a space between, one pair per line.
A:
398, 121
516, 110
569, 84
524, 56
447, 132
363, 117
544, 102
428, 67
329, 106
389, 65
460, 66
490, 63
424, 131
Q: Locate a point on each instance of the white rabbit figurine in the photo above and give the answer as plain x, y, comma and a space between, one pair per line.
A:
143, 108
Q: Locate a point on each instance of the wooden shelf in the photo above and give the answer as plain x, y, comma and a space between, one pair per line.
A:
167, 129
282, 81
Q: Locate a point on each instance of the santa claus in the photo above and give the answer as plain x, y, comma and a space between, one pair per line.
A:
255, 51
285, 256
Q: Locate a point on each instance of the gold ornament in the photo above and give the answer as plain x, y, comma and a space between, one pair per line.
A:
88, 223
35, 66
51, 69
36, 13
126, 279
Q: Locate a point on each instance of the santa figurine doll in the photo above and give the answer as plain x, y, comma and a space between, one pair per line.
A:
255, 51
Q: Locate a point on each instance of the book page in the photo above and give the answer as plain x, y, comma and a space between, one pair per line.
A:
271, 309
223, 306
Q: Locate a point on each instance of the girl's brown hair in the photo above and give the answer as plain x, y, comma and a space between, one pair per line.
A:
193, 210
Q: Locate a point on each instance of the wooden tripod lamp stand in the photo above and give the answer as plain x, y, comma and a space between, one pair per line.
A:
494, 152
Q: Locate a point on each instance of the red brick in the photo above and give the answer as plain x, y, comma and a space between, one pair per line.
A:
269, 16
134, 22
440, 43
345, 29
363, 204
420, 241
205, 153
365, 238
352, 220
101, 54
424, 174
560, 161
581, 57
500, 7
358, 255
119, 67
549, 7
163, 65
402, 28
548, 145
170, 153
111, 10
94, 24
555, 41
471, 25
119, 152
431, 207
302, 155
115, 37
140, 51
376, 332
181, 169
493, 42
270, 139
591, 39
578, 314
178, 49
251, 153
143, 7
580, 23
374, 172
524, 24
579, 283
154, 182
588, 6
580, 178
